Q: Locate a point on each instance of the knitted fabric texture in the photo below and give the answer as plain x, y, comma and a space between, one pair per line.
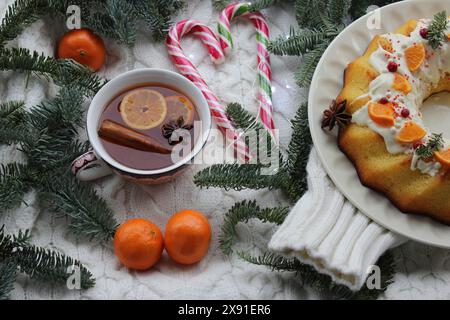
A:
326, 231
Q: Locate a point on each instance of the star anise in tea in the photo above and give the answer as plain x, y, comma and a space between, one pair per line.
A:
336, 115
169, 128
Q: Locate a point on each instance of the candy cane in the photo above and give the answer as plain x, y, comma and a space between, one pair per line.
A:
264, 70
186, 67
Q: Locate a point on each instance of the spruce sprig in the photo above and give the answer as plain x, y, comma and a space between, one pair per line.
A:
39, 263
436, 31
8, 273
12, 113
323, 284
20, 15
427, 150
63, 72
49, 145
242, 212
320, 21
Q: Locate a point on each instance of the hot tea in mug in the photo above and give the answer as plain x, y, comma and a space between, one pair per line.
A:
137, 127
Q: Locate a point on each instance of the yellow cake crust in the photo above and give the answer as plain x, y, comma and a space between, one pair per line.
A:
410, 191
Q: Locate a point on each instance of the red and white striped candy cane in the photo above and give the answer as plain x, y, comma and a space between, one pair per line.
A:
186, 67
264, 71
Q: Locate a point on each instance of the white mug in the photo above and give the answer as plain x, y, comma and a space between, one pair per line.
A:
98, 163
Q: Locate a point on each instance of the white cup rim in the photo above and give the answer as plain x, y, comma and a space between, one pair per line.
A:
104, 93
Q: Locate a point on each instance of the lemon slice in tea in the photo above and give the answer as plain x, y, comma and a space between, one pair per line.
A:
143, 109
179, 106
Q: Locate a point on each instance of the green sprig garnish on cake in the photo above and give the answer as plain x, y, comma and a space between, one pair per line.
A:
436, 31
427, 150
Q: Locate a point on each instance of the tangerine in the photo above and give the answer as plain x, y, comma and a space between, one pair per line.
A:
187, 237
138, 244
83, 46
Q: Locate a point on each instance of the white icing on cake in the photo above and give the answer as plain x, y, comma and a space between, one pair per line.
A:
423, 81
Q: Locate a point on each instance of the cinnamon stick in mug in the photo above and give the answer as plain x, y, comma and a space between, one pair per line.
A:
124, 136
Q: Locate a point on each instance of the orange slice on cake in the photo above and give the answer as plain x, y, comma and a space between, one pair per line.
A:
382, 114
401, 84
386, 44
410, 133
443, 157
143, 109
415, 56
179, 106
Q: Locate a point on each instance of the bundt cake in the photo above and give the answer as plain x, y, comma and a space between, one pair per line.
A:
387, 140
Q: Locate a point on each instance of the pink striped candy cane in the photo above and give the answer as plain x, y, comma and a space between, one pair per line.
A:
264, 70
186, 67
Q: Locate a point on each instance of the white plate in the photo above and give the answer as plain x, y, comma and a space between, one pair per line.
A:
326, 85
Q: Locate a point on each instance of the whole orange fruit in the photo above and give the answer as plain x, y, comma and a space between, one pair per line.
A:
138, 244
83, 46
187, 237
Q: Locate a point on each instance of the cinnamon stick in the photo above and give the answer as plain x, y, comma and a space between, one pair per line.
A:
119, 134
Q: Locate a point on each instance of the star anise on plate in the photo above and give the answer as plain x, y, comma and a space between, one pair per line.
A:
169, 128
336, 115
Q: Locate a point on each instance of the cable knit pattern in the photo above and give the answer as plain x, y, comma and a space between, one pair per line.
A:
423, 271
326, 231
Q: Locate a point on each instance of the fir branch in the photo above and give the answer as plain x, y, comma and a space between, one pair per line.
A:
436, 31
323, 283
259, 5
298, 43
65, 111
63, 72
8, 273
39, 263
15, 181
117, 20
13, 112
20, 15
156, 15
10, 134
219, 5
298, 153
242, 212
242, 118
338, 10
89, 214
309, 13
51, 266
359, 7
236, 177
310, 60
257, 138
427, 150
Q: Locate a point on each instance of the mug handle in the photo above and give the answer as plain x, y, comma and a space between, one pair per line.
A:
88, 167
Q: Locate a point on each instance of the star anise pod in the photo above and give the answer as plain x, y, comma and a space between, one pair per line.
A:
169, 128
336, 115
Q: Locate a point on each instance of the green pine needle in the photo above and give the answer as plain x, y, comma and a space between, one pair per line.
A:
436, 30
339, 10
8, 272
15, 181
219, 5
39, 263
298, 153
236, 177
13, 113
63, 72
49, 148
19, 15
308, 66
298, 43
89, 215
243, 212
427, 150
323, 284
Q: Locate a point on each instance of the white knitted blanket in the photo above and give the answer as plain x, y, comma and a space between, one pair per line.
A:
422, 270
